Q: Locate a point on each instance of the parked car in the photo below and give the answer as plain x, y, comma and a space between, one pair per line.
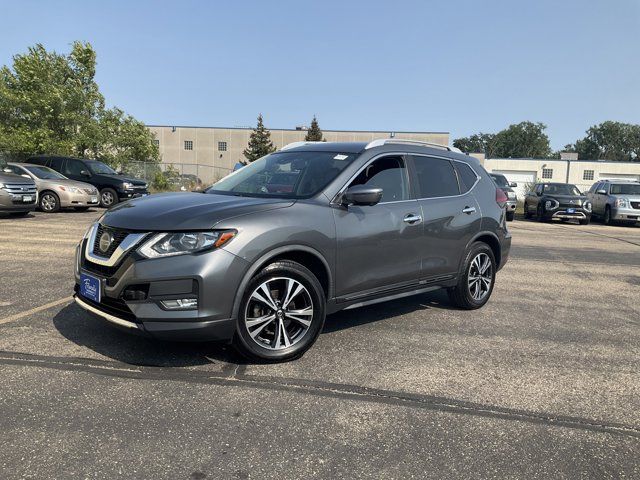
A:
358, 224
562, 201
18, 195
112, 186
616, 200
55, 191
507, 188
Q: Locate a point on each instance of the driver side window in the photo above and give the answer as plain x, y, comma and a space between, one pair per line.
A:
389, 174
73, 167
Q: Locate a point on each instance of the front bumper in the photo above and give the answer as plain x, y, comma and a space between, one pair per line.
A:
132, 193
562, 213
15, 203
212, 277
69, 199
625, 214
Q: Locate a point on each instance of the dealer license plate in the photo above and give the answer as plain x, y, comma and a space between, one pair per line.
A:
90, 287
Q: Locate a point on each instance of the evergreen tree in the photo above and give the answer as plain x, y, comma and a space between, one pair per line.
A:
314, 134
260, 143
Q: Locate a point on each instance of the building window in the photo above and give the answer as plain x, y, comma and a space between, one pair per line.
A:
188, 144
547, 173
587, 175
222, 146
156, 142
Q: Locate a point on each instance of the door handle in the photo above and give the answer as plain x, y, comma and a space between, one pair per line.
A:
469, 210
412, 218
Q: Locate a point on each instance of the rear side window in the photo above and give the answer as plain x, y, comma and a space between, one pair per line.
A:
73, 167
56, 164
436, 177
466, 176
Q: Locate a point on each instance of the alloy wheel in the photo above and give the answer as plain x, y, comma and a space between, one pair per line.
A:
480, 277
107, 198
48, 202
279, 313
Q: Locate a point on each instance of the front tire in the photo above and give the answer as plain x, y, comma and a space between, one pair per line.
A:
584, 221
607, 216
476, 282
281, 314
49, 202
540, 213
527, 213
108, 197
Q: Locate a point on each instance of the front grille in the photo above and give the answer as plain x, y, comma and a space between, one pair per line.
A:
635, 205
118, 236
90, 191
104, 270
140, 187
113, 306
20, 188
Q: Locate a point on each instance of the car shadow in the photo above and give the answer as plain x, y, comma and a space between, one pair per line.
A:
89, 331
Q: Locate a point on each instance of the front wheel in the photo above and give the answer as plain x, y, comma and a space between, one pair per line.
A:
477, 279
108, 197
607, 216
584, 221
540, 213
281, 314
49, 202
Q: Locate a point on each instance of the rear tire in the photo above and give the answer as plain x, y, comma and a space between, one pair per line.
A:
108, 197
510, 216
281, 314
477, 279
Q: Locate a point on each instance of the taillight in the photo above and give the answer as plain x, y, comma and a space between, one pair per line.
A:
501, 197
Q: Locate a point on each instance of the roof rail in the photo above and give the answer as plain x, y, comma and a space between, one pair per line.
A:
619, 180
383, 141
297, 144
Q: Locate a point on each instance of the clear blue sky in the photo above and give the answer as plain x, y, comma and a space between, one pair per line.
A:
458, 66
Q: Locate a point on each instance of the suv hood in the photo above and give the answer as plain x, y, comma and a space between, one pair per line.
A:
13, 178
184, 211
578, 200
122, 178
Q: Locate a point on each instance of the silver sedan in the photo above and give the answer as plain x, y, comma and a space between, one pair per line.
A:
55, 191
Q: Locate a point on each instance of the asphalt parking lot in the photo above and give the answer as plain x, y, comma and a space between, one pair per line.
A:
544, 381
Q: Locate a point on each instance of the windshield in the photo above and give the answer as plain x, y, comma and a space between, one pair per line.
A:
625, 189
500, 180
561, 189
284, 174
45, 173
99, 168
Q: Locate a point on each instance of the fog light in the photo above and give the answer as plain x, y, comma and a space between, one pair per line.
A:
180, 304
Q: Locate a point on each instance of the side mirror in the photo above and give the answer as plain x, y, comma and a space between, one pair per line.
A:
362, 195
85, 173
601, 192
7, 170
25, 176
513, 184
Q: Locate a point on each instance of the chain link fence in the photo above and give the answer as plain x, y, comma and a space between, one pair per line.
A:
176, 176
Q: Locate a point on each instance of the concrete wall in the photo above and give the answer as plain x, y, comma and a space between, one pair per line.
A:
206, 140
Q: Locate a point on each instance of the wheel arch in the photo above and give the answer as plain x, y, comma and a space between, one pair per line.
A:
44, 192
490, 239
302, 254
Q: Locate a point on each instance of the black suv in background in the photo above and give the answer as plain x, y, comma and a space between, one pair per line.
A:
113, 187
563, 201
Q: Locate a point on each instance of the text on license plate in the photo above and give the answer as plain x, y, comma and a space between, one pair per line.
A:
90, 287
27, 198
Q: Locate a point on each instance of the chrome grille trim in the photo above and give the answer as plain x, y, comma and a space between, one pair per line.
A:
20, 188
127, 244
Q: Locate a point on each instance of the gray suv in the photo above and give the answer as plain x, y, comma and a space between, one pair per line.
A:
616, 200
18, 195
265, 253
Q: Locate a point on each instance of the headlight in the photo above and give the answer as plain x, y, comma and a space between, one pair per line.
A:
551, 204
127, 185
69, 189
622, 202
169, 244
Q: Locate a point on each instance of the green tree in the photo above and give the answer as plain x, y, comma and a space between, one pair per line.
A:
51, 103
522, 140
478, 143
314, 134
609, 141
260, 143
